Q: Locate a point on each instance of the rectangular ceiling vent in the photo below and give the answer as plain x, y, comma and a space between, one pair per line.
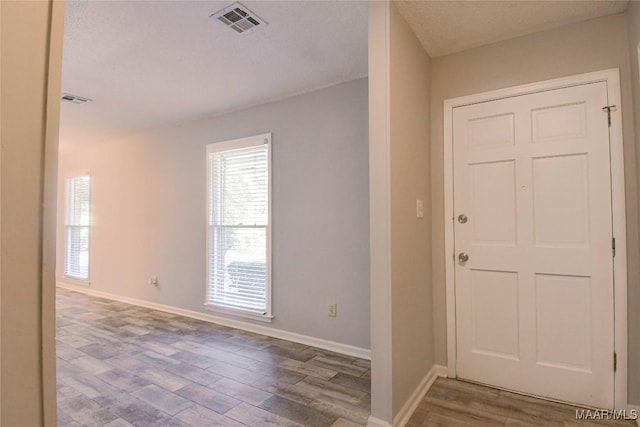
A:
74, 99
240, 18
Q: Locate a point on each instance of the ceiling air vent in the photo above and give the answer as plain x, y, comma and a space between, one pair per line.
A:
239, 18
74, 99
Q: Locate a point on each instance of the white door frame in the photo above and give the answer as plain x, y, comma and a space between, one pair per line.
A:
612, 78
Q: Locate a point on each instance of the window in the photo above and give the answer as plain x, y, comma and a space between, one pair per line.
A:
77, 223
239, 227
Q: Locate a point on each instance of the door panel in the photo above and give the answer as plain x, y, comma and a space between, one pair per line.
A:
495, 313
563, 341
534, 301
560, 201
493, 203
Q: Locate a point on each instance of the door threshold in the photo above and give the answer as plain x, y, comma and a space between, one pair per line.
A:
533, 396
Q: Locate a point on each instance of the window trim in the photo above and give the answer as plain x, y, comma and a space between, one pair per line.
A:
236, 144
66, 225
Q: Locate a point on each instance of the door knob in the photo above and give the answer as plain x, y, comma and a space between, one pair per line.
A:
462, 218
463, 257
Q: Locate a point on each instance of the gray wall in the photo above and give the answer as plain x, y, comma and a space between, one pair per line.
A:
411, 293
588, 46
379, 214
149, 210
401, 316
633, 31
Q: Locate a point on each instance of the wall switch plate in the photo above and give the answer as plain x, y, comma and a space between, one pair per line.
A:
333, 310
419, 208
153, 281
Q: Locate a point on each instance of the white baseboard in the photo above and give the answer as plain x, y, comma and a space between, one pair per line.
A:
377, 422
637, 409
403, 416
346, 349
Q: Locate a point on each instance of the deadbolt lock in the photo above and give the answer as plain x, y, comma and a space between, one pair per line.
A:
462, 218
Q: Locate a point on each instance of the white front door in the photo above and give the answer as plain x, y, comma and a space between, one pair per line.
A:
534, 301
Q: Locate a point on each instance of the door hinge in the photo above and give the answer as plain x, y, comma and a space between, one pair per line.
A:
613, 246
615, 362
608, 109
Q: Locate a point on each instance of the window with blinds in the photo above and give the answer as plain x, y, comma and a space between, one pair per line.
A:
238, 226
77, 225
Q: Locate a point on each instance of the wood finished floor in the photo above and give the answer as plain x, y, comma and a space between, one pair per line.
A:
457, 403
122, 365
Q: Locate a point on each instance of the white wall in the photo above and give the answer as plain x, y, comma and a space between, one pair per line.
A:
593, 45
148, 200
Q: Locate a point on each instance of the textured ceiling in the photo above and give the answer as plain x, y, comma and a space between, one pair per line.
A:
450, 26
150, 63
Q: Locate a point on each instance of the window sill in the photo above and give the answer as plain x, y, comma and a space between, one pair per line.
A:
266, 318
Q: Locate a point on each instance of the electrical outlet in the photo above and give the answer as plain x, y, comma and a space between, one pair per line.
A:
153, 281
333, 310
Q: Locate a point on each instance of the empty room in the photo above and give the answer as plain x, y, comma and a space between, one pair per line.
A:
319, 213
213, 165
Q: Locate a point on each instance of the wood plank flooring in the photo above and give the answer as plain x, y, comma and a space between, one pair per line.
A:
122, 365
451, 402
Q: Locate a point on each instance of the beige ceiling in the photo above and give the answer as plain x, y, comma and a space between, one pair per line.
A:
449, 26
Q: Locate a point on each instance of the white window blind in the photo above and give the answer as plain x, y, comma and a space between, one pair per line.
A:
77, 224
239, 225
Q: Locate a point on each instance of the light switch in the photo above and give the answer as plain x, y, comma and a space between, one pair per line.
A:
419, 208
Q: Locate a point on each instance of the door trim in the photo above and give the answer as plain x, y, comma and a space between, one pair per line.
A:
612, 78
